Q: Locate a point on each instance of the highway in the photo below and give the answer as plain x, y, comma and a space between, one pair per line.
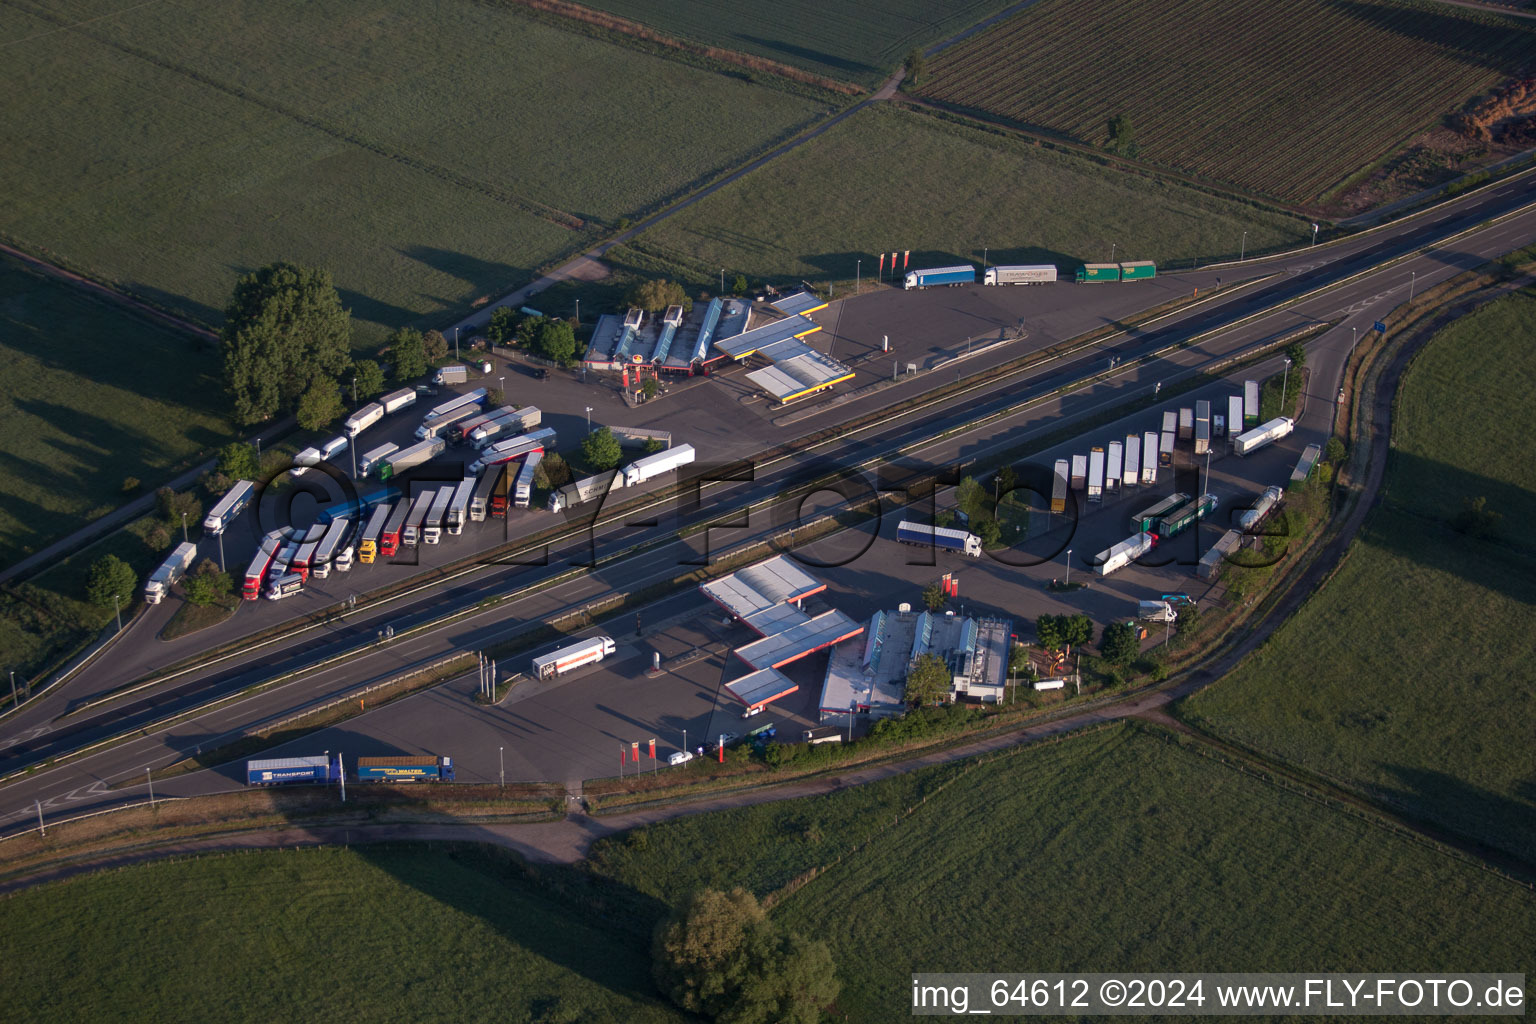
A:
81, 784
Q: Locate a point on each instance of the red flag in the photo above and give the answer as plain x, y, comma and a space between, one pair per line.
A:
653, 748
893, 261
954, 588
722, 750
882, 263
906, 258
634, 751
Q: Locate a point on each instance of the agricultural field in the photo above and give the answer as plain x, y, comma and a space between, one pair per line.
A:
209, 140
885, 179
92, 395
1283, 99
419, 934
1117, 850
1422, 693
858, 41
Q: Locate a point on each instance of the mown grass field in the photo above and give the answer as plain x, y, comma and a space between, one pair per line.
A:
886, 179
1412, 674
427, 155
858, 41
1284, 99
1118, 850
91, 395
357, 934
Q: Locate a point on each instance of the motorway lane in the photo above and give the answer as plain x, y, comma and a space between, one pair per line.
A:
1363, 297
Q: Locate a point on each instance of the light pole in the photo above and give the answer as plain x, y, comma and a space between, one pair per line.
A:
1206, 488
14, 701
578, 312
117, 610
722, 280
1111, 252
1413, 277
351, 446
183, 527
455, 346
354, 389
150, 779
221, 533
589, 419
983, 257
501, 754
1354, 336
1243, 251
1068, 580
857, 268
501, 382
1285, 383
1314, 234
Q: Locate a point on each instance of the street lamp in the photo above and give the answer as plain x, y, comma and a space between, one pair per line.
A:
455, 345
117, 610
1354, 336
14, 701
857, 267
501, 382
1413, 276
1111, 252
501, 753
221, 532
1068, 581
589, 419
1314, 234
1285, 383
983, 257
183, 527
578, 312
1205, 489
722, 280
1243, 252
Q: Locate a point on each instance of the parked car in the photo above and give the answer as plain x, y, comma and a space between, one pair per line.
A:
680, 757
537, 372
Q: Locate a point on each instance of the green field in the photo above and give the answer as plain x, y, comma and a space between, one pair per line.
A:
889, 179
858, 41
1412, 675
1285, 99
427, 155
92, 394
348, 935
1113, 851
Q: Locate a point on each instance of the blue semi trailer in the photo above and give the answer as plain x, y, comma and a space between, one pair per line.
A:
940, 275
405, 768
357, 508
278, 771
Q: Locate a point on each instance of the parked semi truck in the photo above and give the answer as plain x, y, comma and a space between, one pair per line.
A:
439, 426
364, 418
458, 432
652, 466
1250, 403
589, 488
410, 536
409, 458
303, 461
1186, 423
1096, 474
394, 528
637, 437
1038, 273
172, 569
480, 502
432, 526
516, 422
229, 507
1079, 472
451, 375
1252, 517
458, 508
1202, 427
512, 448
940, 275
522, 490
824, 734
261, 562
1146, 519
1266, 433
504, 480
943, 537
355, 507
1170, 427
1175, 522
1234, 415
278, 771
1098, 273
1059, 486
368, 542
405, 768
1122, 554
458, 403
374, 456
1113, 466
572, 656
1132, 475
397, 400
335, 536
1150, 457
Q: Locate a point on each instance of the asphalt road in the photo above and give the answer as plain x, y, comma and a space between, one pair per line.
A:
80, 785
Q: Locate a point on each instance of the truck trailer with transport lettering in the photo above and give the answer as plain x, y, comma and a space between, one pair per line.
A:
1035, 273
278, 771
405, 768
573, 656
943, 537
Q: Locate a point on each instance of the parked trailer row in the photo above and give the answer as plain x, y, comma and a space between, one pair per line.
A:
229, 507
1102, 273
328, 768
1145, 520
278, 771
518, 421
939, 537
1180, 519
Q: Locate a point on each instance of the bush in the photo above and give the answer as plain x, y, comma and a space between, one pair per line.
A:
1334, 451
206, 585
407, 351
131, 484
551, 472
502, 329
158, 538
649, 387
172, 505
215, 483
111, 583
1118, 644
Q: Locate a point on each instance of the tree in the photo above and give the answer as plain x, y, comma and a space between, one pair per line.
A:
370, 378
1007, 480
601, 450
928, 680
973, 499
1122, 137
435, 346
284, 327
1049, 632
990, 532
408, 353
172, 505
649, 387
110, 576
206, 585
555, 340
1476, 519
238, 461
655, 295
934, 596
494, 398
1077, 630
502, 329
131, 484
1118, 645
739, 285
551, 472
157, 538
320, 404
1018, 658
215, 483
1189, 620
1335, 451
1296, 352
719, 955
915, 66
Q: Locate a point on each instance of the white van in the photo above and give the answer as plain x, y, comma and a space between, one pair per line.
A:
681, 757
332, 448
